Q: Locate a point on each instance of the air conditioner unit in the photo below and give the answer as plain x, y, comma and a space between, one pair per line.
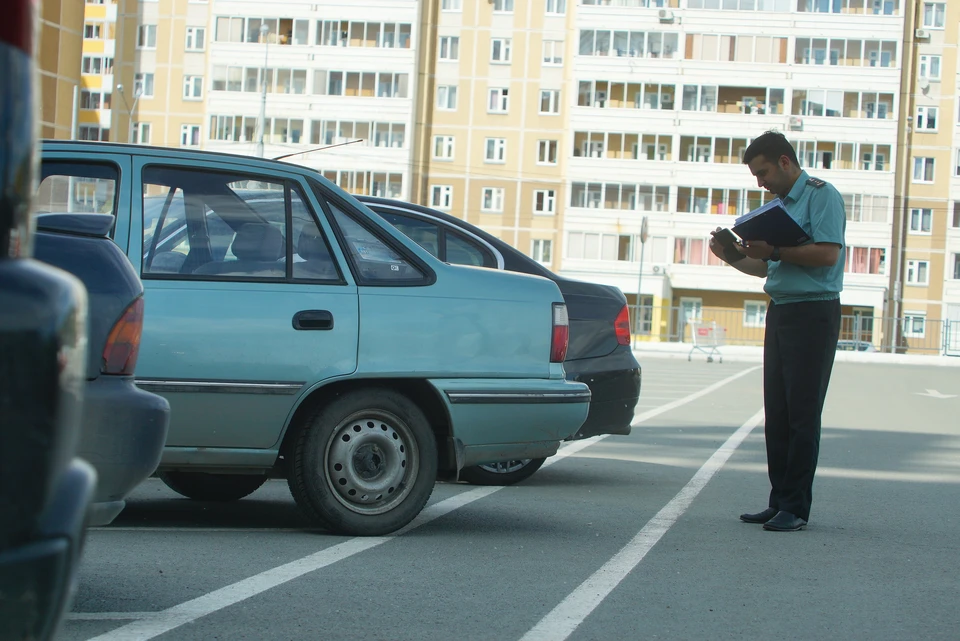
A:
921, 34
657, 269
796, 122
665, 15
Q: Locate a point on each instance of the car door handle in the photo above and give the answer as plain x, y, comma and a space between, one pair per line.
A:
317, 319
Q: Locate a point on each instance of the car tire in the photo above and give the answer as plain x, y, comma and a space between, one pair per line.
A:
364, 464
202, 486
502, 473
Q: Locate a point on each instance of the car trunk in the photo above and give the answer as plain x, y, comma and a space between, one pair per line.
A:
593, 309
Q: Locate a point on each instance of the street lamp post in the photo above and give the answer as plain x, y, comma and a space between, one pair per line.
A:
644, 233
264, 30
138, 91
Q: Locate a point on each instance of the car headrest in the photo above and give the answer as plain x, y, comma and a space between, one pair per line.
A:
258, 242
311, 246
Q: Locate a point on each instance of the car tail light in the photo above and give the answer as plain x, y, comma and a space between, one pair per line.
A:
622, 326
123, 343
561, 333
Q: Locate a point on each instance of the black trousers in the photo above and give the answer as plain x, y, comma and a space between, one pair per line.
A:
798, 351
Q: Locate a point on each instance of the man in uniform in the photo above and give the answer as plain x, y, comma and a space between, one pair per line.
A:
802, 325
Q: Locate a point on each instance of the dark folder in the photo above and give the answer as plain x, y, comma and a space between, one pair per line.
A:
771, 223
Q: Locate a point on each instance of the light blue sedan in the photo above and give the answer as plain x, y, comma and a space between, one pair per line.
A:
315, 342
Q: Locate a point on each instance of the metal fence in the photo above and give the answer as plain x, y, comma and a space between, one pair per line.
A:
908, 335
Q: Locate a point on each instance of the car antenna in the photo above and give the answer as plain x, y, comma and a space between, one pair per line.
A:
308, 151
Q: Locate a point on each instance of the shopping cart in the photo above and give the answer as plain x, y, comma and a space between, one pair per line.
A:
706, 338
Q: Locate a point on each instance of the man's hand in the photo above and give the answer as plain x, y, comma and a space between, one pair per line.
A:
757, 249
718, 249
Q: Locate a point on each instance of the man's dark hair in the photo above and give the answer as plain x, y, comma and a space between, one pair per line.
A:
771, 145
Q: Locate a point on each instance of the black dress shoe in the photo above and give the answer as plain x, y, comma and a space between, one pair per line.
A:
784, 522
759, 517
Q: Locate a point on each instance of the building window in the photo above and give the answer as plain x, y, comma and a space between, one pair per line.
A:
196, 39
956, 267
553, 52
556, 8
192, 87
923, 170
956, 165
449, 48
147, 36
141, 133
143, 85
550, 101
914, 324
492, 199
754, 313
443, 147
500, 50
503, 6
926, 118
930, 67
934, 15
441, 196
866, 260
92, 132
189, 135
96, 65
547, 152
93, 31
955, 222
495, 150
545, 201
451, 5
541, 250
499, 102
921, 221
447, 97
918, 272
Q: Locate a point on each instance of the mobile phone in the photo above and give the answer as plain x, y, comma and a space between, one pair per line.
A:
726, 238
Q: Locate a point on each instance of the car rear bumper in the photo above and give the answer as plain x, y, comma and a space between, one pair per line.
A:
123, 433
614, 382
38, 577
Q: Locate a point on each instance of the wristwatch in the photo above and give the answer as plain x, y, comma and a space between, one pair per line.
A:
774, 255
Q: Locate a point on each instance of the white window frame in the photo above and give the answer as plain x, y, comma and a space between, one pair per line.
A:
193, 88
495, 150
920, 166
491, 199
447, 97
931, 67
445, 145
503, 6
924, 116
451, 5
186, 134
193, 35
541, 250
553, 102
441, 196
142, 82
141, 133
548, 199
144, 33
953, 274
760, 313
913, 274
500, 51
937, 10
956, 164
547, 152
921, 221
448, 48
553, 53
498, 100
556, 7
909, 321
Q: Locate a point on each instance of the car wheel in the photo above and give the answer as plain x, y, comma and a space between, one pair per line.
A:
502, 473
202, 486
364, 464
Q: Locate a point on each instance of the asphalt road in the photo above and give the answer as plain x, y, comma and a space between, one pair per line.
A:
632, 537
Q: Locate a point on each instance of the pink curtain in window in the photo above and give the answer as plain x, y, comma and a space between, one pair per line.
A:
859, 260
680, 250
876, 258
696, 251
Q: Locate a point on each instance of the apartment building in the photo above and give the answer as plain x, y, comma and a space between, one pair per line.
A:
60, 33
96, 68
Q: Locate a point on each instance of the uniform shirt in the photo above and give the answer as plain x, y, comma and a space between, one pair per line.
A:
818, 208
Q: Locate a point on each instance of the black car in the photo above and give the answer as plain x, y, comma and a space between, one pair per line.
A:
44, 489
599, 353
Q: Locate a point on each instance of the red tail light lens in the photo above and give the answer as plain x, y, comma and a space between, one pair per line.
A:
123, 344
622, 326
561, 333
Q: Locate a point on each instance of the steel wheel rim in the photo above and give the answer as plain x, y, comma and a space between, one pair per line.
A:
506, 467
371, 462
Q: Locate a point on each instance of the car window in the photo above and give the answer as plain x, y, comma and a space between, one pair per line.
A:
422, 232
376, 262
77, 187
209, 225
461, 251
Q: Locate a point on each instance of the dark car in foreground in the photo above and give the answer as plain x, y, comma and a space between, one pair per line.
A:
123, 428
44, 488
599, 353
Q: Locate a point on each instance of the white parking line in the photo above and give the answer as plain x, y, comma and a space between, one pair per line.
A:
560, 623
150, 625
